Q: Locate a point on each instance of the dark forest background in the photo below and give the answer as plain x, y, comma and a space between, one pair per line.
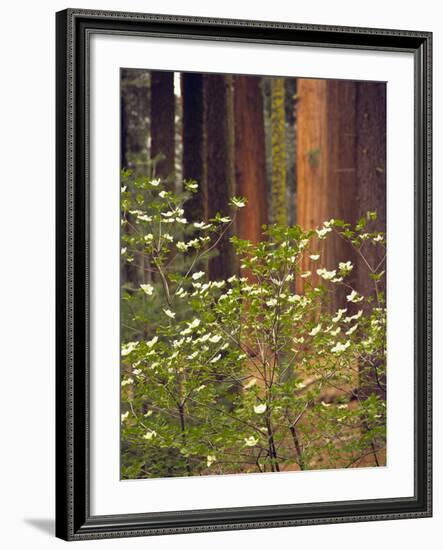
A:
300, 150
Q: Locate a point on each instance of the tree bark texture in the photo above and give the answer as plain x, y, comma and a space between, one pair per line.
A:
193, 139
371, 168
163, 124
250, 164
219, 164
341, 150
134, 124
134, 115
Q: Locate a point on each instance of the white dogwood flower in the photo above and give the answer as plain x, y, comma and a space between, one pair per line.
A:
315, 330
354, 297
144, 218
351, 330
169, 313
198, 275
181, 292
339, 315
321, 233
128, 348
325, 274
239, 203
340, 348
210, 459
216, 284
251, 441
152, 342
147, 289
354, 317
345, 266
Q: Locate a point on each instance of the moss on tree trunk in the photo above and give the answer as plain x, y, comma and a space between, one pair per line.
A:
278, 194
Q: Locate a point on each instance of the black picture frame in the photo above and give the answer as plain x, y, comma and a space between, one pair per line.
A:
74, 521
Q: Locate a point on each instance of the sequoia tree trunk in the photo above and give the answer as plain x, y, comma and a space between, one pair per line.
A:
162, 124
219, 164
250, 164
134, 124
341, 173
193, 137
370, 163
134, 115
341, 158
326, 169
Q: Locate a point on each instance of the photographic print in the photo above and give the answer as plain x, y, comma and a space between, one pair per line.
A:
244, 273
253, 274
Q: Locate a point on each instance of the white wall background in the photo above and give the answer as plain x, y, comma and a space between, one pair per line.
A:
27, 276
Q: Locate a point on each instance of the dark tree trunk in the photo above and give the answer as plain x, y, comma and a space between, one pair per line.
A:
134, 127
134, 111
123, 133
193, 137
371, 167
250, 164
371, 177
219, 171
162, 123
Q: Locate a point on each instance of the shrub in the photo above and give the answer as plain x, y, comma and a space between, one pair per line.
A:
253, 373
